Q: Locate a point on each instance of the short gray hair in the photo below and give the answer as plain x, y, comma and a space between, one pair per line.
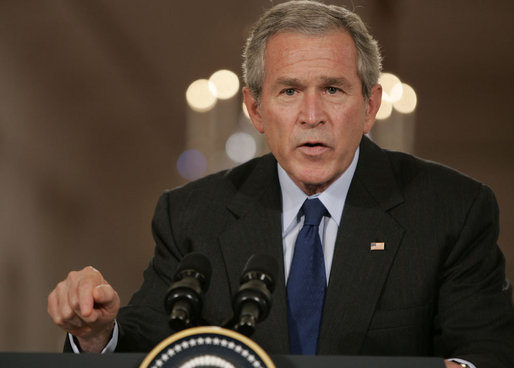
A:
310, 18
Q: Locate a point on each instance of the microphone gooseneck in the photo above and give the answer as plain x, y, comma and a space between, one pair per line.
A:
184, 299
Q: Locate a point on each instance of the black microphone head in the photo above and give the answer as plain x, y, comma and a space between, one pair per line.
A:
253, 299
197, 263
261, 264
184, 298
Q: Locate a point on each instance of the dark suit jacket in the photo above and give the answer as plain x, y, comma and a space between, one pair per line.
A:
438, 288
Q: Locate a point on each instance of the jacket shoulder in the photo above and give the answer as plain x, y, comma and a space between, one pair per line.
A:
410, 170
227, 181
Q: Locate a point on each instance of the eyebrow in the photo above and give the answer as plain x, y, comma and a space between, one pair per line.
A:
293, 82
327, 81
340, 81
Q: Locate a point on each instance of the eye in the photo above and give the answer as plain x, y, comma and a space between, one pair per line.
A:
332, 90
289, 92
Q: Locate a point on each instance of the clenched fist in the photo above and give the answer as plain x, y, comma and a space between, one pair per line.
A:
85, 305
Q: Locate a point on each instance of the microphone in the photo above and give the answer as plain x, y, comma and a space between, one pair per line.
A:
253, 299
183, 301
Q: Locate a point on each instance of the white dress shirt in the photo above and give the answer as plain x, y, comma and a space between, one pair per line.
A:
333, 198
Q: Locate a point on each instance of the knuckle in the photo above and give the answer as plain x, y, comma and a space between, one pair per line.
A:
72, 275
84, 288
58, 320
51, 298
61, 286
74, 305
67, 313
91, 269
92, 272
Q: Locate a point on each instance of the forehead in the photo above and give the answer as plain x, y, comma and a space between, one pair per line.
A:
333, 52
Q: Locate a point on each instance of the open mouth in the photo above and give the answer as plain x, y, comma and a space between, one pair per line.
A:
313, 144
313, 148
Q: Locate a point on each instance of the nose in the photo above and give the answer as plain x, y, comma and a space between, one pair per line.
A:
312, 111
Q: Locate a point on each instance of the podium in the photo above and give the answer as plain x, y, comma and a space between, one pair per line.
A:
133, 360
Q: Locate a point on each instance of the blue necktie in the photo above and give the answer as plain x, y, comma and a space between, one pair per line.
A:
307, 283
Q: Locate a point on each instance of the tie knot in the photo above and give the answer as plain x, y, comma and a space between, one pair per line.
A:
313, 210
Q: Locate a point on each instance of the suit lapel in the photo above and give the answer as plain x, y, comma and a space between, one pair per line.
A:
256, 229
358, 273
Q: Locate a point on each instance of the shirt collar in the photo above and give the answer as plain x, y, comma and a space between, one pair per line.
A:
333, 198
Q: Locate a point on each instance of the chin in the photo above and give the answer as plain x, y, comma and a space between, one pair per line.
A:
315, 177
314, 180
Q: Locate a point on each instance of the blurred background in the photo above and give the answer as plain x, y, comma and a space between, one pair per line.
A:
94, 123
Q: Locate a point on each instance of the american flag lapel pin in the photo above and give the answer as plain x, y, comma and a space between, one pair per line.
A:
377, 246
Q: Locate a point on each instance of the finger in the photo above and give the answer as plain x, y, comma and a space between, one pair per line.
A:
60, 304
104, 295
52, 307
70, 288
85, 300
91, 305
107, 302
63, 303
60, 311
80, 285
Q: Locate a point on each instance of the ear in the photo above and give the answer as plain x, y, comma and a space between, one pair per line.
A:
252, 106
372, 106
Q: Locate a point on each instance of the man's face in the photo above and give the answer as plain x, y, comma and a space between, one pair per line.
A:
312, 110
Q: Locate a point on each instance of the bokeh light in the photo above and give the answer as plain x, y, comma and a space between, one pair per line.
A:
241, 147
226, 83
391, 87
408, 102
192, 164
386, 108
201, 95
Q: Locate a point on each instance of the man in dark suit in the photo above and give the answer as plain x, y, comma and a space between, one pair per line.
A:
409, 258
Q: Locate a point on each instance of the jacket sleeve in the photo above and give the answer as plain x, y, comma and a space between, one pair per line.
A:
475, 319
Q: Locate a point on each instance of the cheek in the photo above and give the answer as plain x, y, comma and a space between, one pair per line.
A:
278, 126
350, 120
274, 138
